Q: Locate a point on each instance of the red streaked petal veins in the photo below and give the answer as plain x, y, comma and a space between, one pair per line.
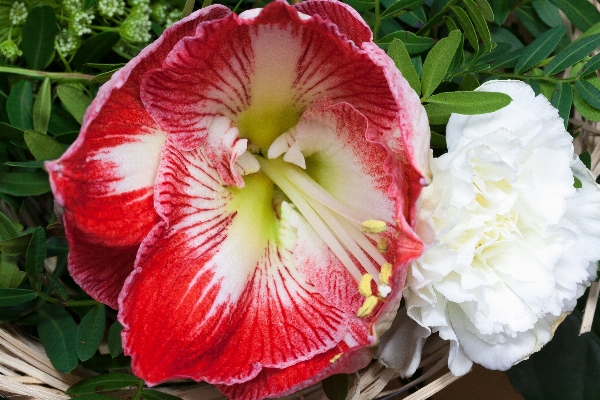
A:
215, 295
345, 17
236, 66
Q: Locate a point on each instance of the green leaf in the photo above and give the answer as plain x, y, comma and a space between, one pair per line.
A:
360, 5
471, 103
35, 257
562, 100
19, 105
577, 184
572, 54
530, 20
74, 101
10, 275
24, 183
336, 386
509, 59
540, 48
501, 10
501, 35
586, 159
589, 93
467, 25
480, 23
15, 246
486, 10
399, 55
25, 164
104, 383
42, 108
580, 12
38, 35
148, 394
564, 369
10, 133
450, 23
547, 12
414, 44
43, 147
115, 346
104, 76
58, 334
90, 332
437, 62
437, 114
587, 111
94, 49
12, 297
438, 141
468, 83
591, 66
400, 6
7, 228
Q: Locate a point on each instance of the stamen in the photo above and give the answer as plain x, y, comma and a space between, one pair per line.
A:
367, 307
364, 286
382, 245
335, 358
386, 273
311, 216
374, 226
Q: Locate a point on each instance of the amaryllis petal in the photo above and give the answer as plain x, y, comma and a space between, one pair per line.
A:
213, 270
105, 180
348, 21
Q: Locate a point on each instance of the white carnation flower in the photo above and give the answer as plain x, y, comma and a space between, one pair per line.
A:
511, 243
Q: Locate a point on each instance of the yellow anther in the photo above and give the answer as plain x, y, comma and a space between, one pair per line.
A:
382, 245
364, 286
374, 226
367, 307
335, 358
385, 273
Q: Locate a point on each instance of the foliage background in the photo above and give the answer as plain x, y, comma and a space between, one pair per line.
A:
54, 54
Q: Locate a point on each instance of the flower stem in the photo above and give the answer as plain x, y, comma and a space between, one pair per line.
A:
68, 76
436, 18
70, 303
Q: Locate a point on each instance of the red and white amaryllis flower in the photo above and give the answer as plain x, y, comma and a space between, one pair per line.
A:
216, 193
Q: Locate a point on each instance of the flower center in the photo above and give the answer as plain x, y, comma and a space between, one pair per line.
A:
264, 121
339, 226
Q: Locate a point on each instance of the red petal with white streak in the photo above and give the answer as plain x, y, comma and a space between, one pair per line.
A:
105, 180
348, 21
213, 297
278, 58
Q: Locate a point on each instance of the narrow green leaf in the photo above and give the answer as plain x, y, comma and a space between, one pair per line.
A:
577, 184
43, 147
471, 103
15, 246
486, 10
94, 48
450, 23
437, 114
530, 20
586, 159
39, 32
10, 275
572, 54
480, 23
148, 394
58, 334
74, 101
587, 111
19, 105
34, 258
501, 10
104, 383
562, 100
115, 345
594, 29
437, 141
401, 5
9, 133
336, 386
7, 228
360, 5
509, 59
547, 12
580, 12
42, 108
104, 76
469, 83
24, 183
589, 93
106, 362
591, 66
467, 26
437, 62
25, 164
540, 48
458, 55
502, 35
414, 44
12, 297
399, 55
90, 332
